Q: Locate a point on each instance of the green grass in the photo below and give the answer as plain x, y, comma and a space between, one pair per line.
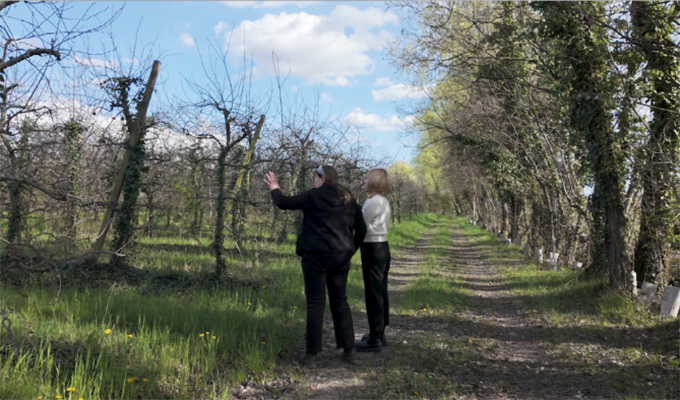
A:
423, 369
436, 290
559, 297
590, 325
128, 341
124, 341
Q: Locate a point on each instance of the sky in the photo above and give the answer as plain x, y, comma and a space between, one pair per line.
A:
332, 49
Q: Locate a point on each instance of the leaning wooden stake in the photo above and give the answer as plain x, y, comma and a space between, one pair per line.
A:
245, 165
135, 135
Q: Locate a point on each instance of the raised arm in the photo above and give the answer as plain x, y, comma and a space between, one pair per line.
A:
299, 202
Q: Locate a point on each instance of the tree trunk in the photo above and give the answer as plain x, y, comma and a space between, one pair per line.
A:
150, 217
17, 210
73, 132
195, 203
584, 54
137, 128
218, 237
652, 29
15, 223
127, 214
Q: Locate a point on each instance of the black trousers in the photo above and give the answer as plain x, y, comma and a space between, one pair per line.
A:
375, 265
319, 273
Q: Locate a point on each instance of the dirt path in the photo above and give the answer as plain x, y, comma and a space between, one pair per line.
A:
518, 365
333, 379
491, 347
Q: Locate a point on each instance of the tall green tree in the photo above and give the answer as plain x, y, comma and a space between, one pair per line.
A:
581, 59
126, 92
654, 23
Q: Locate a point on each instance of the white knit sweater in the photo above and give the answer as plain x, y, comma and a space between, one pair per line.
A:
377, 213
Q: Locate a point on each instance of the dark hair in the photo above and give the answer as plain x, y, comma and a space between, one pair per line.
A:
332, 178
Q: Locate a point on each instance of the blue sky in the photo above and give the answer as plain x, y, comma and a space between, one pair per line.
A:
332, 48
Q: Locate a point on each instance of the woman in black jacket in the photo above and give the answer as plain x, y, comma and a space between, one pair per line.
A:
333, 228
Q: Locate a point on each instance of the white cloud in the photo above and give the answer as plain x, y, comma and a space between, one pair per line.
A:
397, 92
294, 89
376, 123
220, 27
267, 4
187, 39
94, 62
315, 47
99, 63
326, 97
28, 43
252, 74
382, 81
239, 4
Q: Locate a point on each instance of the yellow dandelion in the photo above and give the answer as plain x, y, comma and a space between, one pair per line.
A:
207, 333
107, 331
263, 287
424, 309
130, 336
214, 337
261, 300
130, 380
57, 397
80, 398
295, 307
250, 304
201, 335
145, 380
416, 393
71, 389
281, 293
263, 343
39, 397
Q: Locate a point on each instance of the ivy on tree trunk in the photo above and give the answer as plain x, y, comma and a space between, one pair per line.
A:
654, 23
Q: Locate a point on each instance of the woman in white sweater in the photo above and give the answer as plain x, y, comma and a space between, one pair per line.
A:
375, 260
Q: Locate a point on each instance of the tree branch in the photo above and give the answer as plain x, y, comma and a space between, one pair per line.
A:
28, 54
5, 4
52, 194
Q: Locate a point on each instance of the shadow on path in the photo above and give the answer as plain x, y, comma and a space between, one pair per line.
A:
490, 347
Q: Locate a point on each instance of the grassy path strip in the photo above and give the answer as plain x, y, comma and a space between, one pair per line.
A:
558, 336
475, 321
423, 289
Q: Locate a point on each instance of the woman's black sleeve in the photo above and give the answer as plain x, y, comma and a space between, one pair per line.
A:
359, 227
298, 202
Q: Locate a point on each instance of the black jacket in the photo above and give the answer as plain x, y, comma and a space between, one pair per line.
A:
329, 226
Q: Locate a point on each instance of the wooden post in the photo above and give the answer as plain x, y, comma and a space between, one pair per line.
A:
245, 165
136, 132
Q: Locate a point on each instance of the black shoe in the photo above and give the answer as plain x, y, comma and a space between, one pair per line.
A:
383, 339
348, 356
365, 346
308, 359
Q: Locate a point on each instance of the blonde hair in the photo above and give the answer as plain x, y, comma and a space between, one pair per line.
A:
377, 180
